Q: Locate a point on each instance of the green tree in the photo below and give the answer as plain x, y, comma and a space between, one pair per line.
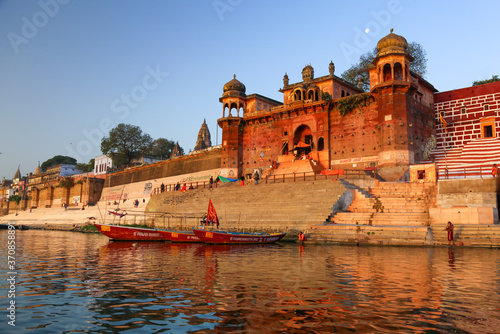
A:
125, 142
57, 160
161, 147
86, 167
482, 82
359, 71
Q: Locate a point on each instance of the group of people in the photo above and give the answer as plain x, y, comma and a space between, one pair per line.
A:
205, 222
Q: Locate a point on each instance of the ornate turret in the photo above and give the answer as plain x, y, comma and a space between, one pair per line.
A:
234, 88
331, 68
308, 73
392, 63
203, 140
285, 80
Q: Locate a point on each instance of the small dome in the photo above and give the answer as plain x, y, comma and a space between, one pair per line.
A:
234, 88
392, 43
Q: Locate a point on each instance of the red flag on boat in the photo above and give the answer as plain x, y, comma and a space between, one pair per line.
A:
212, 215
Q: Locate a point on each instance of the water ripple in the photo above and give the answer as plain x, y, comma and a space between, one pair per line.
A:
70, 282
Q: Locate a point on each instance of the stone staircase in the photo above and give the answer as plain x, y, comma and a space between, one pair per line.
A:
390, 203
468, 235
280, 206
371, 235
475, 157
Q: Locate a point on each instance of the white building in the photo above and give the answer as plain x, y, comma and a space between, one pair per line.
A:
101, 164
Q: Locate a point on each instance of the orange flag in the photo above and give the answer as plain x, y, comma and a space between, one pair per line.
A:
211, 214
443, 122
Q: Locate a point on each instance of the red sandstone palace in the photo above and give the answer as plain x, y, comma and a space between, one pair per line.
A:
331, 121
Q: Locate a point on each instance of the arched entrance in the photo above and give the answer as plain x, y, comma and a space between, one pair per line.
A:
302, 140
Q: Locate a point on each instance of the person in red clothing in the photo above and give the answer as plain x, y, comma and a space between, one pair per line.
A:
302, 237
449, 228
494, 170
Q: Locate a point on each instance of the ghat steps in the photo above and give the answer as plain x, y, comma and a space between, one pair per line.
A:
476, 156
281, 206
391, 203
469, 235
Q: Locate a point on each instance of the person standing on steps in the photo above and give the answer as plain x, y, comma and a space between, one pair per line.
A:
494, 170
449, 228
256, 177
211, 182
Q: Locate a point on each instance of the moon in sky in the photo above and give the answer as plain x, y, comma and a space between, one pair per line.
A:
367, 30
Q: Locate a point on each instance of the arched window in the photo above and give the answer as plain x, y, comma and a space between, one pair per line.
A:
233, 106
387, 72
310, 95
316, 95
321, 144
297, 95
398, 72
342, 93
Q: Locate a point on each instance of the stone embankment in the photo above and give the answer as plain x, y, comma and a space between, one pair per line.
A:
359, 212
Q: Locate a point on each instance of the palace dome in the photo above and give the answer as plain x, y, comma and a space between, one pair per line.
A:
392, 43
234, 88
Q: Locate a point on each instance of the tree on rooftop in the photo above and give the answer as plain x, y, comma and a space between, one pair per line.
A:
359, 71
125, 142
86, 167
161, 147
482, 82
57, 160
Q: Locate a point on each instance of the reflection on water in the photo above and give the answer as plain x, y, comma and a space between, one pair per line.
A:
70, 282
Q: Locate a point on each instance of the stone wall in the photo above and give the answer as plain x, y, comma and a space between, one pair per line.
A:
467, 201
473, 185
206, 160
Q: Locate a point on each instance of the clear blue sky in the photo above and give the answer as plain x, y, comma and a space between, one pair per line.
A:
72, 70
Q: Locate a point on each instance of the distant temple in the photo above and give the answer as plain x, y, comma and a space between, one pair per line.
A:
176, 151
203, 140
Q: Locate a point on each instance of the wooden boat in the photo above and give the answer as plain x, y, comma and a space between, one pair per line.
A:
129, 233
224, 237
179, 236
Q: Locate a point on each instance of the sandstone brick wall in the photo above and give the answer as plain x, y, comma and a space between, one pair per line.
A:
463, 109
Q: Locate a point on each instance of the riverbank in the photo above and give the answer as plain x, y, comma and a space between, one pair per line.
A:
327, 211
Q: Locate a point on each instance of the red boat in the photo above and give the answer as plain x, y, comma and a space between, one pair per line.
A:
223, 237
179, 236
129, 233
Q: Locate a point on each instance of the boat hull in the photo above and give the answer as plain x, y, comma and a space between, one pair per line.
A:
222, 237
180, 236
126, 233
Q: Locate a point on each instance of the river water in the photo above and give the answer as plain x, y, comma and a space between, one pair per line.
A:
67, 282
